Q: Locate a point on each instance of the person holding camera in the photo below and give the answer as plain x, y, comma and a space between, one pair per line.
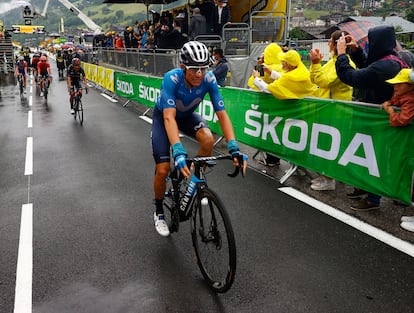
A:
330, 87
268, 65
374, 68
269, 68
171, 38
293, 83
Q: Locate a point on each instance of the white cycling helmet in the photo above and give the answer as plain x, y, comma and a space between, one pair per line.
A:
194, 53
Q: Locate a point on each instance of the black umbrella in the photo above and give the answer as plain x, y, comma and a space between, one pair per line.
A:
146, 2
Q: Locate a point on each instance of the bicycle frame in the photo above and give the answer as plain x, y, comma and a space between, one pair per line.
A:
77, 104
44, 83
184, 200
21, 82
76, 96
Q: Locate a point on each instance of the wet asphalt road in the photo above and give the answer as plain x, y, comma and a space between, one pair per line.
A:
95, 248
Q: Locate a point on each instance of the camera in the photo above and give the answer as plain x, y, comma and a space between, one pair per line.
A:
260, 69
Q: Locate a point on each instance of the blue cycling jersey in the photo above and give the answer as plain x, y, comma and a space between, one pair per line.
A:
21, 66
176, 94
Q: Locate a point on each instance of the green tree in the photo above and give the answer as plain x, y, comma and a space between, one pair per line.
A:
410, 15
298, 34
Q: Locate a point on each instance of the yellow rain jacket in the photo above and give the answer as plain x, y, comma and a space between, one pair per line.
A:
295, 84
330, 86
271, 60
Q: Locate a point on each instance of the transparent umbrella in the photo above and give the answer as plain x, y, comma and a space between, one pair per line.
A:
358, 30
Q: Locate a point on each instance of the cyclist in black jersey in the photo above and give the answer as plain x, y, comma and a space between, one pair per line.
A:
75, 77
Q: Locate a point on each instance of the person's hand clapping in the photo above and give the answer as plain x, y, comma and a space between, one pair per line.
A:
315, 56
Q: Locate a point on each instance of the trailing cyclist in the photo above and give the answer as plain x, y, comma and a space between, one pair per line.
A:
21, 69
182, 91
75, 75
35, 60
60, 63
44, 71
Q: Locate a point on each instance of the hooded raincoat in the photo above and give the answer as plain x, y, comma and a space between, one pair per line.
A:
271, 60
373, 68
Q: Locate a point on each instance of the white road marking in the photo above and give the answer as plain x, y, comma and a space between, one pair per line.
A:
109, 97
146, 119
28, 168
370, 230
23, 292
30, 119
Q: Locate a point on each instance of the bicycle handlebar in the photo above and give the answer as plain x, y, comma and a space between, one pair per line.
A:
76, 89
209, 161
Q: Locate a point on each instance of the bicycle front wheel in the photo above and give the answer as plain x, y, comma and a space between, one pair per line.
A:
80, 111
21, 88
45, 90
213, 241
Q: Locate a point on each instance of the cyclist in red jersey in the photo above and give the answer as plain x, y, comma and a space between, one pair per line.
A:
44, 70
35, 60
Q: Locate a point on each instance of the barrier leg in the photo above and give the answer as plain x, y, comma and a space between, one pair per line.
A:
218, 141
263, 155
288, 173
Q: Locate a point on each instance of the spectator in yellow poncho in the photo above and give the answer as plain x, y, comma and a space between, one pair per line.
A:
294, 82
271, 65
330, 86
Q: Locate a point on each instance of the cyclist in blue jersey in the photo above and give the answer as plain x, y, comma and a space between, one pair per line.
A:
182, 90
21, 69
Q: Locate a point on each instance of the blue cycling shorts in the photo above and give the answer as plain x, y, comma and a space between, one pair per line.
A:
159, 139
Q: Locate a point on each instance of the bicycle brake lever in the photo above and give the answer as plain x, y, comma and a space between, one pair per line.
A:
235, 173
237, 168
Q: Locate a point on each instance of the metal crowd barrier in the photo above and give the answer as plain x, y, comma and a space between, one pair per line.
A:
155, 63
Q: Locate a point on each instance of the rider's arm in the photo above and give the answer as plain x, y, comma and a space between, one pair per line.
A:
84, 79
85, 83
69, 82
179, 152
226, 125
171, 126
166, 103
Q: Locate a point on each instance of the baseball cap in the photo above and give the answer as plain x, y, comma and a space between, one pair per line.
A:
291, 57
402, 77
181, 15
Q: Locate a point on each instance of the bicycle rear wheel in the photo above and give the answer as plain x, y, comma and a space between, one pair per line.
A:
170, 210
213, 241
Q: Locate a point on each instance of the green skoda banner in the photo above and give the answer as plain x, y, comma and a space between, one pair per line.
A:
142, 89
352, 143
